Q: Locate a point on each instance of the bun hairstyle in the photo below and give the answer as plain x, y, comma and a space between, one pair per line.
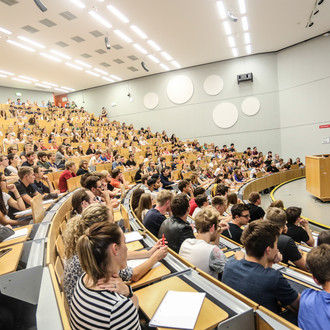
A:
93, 249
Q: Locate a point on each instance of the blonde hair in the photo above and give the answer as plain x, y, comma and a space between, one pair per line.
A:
278, 203
206, 218
163, 196
77, 225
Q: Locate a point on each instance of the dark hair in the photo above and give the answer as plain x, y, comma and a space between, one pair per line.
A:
292, 214
115, 172
221, 189
180, 205
151, 181
41, 154
91, 182
200, 200
324, 237
77, 198
2, 203
257, 236
30, 153
183, 184
199, 191
318, 261
237, 209
11, 157
253, 197
136, 195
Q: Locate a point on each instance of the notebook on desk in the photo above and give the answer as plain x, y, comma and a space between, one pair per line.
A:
178, 310
18, 233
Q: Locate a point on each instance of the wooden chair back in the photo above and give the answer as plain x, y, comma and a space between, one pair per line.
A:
38, 211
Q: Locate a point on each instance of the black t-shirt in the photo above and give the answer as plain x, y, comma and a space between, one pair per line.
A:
153, 220
256, 212
81, 171
40, 188
26, 163
130, 163
138, 175
288, 249
234, 233
297, 233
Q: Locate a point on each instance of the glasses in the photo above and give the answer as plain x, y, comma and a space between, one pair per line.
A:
245, 216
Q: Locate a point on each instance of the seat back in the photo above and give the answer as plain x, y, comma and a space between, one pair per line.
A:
38, 211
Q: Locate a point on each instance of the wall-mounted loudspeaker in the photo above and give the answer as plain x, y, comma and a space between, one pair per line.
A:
144, 66
107, 43
40, 5
244, 77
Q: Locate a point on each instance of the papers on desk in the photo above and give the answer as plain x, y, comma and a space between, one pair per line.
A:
178, 310
133, 236
18, 233
25, 212
137, 262
48, 201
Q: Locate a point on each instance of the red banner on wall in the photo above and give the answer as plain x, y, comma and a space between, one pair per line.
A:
324, 126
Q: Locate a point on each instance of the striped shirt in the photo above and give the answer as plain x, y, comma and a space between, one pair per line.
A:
92, 309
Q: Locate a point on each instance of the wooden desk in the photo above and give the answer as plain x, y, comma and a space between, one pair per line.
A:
134, 246
9, 262
151, 296
117, 215
18, 239
153, 275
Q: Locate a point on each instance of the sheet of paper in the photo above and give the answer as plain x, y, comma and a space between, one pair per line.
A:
25, 212
178, 310
133, 236
18, 233
137, 262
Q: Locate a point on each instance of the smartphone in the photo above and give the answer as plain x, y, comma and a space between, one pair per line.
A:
5, 251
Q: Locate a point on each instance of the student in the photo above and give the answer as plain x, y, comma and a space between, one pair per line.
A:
83, 167
314, 310
256, 212
145, 204
201, 201
324, 237
70, 169
38, 185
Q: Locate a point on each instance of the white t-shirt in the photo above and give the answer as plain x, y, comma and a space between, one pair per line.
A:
207, 257
6, 198
197, 209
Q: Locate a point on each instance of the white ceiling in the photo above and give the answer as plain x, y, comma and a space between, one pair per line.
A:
191, 31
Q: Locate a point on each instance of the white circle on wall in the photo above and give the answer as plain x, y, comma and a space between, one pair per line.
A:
213, 85
225, 115
150, 100
180, 89
250, 106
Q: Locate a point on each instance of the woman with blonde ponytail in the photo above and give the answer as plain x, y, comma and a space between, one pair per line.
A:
102, 254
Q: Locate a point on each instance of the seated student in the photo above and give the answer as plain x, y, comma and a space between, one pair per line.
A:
80, 200
144, 180
95, 159
91, 149
185, 187
176, 229
240, 217
156, 216
130, 162
118, 179
51, 161
220, 204
192, 202
164, 178
256, 212
151, 188
69, 172
116, 162
324, 237
140, 172
30, 159
103, 254
314, 309
222, 190
42, 161
12, 168
202, 202
254, 276
83, 167
200, 252
145, 204
38, 185
286, 244
298, 228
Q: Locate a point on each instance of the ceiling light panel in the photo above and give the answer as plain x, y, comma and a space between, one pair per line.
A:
22, 80
167, 56
100, 19
79, 4
7, 73
74, 66
242, 7
164, 66
5, 30
235, 52
118, 14
248, 49
140, 49
60, 90
154, 45
55, 59
92, 73
221, 10
28, 78
115, 77
17, 44
245, 24
50, 84
101, 71
31, 42
83, 64
42, 85
68, 88
227, 28
60, 54
138, 31
123, 36
247, 38
176, 64
108, 79
3, 76
231, 41
154, 59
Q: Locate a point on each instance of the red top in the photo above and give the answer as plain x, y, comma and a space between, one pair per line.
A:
62, 184
193, 205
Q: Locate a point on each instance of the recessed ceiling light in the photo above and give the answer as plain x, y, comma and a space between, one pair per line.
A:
123, 36
68, 88
20, 45
221, 9
22, 80
140, 49
248, 49
83, 64
92, 73
74, 66
3, 76
61, 90
235, 51
247, 38
116, 12
245, 24
154, 45
231, 41
108, 79
5, 30
50, 84
79, 4
164, 66
138, 31
31, 42
115, 77
176, 64
227, 28
28, 78
42, 85
100, 19
153, 58
242, 7
7, 73
167, 56
60, 54
50, 57
101, 71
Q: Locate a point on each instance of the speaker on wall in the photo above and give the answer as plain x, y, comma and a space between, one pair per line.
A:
244, 77
40, 5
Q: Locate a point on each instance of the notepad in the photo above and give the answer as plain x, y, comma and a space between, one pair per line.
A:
18, 233
133, 236
25, 212
137, 262
178, 310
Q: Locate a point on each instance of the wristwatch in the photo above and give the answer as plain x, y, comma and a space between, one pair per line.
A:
130, 292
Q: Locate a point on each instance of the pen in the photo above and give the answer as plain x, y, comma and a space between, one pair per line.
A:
163, 240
